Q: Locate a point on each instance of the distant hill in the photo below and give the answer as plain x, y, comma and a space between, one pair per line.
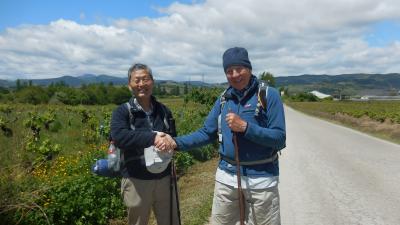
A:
77, 81
92, 79
5, 83
349, 84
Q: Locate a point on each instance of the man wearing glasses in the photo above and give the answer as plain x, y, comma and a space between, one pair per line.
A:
136, 128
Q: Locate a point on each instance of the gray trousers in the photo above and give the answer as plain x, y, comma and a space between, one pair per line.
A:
140, 196
261, 206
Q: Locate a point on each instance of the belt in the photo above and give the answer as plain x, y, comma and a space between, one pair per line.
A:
252, 163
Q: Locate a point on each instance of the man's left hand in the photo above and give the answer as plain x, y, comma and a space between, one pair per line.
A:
235, 122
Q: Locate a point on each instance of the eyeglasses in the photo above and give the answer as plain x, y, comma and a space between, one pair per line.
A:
144, 80
232, 69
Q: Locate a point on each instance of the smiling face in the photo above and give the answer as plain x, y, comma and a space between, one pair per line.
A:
238, 76
141, 84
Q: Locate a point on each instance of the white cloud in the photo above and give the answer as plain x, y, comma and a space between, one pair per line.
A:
283, 37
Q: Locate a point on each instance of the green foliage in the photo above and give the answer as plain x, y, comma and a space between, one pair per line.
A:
71, 96
4, 127
34, 122
86, 115
51, 182
44, 149
33, 95
119, 95
105, 127
77, 199
185, 89
205, 153
268, 77
55, 127
48, 118
60, 93
7, 109
83, 199
304, 97
183, 160
204, 96
379, 111
345, 84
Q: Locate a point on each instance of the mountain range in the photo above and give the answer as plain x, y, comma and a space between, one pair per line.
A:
77, 81
350, 84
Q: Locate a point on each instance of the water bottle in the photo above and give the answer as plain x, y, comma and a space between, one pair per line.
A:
112, 156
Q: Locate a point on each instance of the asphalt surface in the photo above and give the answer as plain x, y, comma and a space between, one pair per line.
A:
332, 175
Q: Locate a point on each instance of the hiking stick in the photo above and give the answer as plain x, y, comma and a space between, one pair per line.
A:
173, 177
239, 179
173, 181
171, 205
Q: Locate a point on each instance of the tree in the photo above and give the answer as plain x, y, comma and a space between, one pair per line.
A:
33, 95
120, 95
18, 85
185, 89
157, 89
175, 90
163, 91
268, 77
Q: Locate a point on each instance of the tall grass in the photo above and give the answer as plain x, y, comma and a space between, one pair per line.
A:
60, 189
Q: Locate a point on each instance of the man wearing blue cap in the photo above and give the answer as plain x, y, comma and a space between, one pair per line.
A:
257, 133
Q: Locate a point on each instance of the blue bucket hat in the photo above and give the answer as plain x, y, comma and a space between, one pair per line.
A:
236, 56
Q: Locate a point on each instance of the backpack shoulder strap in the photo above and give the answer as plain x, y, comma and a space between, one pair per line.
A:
221, 106
262, 97
131, 117
165, 116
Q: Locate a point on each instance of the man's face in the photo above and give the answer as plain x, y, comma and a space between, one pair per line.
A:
141, 84
238, 76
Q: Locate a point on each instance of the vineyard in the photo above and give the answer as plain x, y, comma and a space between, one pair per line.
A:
383, 117
47, 152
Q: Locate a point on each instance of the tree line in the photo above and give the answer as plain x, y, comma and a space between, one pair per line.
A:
92, 94
87, 94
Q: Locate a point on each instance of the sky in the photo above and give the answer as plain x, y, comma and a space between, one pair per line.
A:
184, 40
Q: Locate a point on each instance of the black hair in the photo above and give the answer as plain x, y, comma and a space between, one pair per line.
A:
139, 66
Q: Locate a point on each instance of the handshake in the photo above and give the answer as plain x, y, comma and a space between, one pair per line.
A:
164, 142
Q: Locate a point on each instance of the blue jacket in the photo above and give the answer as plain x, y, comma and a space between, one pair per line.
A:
264, 135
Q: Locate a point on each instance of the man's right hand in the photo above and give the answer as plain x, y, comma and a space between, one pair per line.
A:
164, 142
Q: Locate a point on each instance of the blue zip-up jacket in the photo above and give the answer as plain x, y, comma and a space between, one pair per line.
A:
264, 135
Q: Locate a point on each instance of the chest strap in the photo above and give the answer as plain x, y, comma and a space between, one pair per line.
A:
251, 163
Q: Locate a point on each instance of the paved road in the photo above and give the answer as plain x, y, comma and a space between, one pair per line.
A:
331, 175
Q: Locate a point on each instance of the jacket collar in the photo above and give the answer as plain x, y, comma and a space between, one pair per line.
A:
137, 107
233, 93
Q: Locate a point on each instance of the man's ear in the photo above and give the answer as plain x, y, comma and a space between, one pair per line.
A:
130, 88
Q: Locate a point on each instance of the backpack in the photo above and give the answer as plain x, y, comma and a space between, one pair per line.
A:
111, 166
261, 104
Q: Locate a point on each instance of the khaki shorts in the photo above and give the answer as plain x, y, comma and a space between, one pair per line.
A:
140, 196
261, 206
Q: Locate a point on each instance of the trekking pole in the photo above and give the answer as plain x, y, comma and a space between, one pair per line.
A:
239, 179
171, 205
175, 183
